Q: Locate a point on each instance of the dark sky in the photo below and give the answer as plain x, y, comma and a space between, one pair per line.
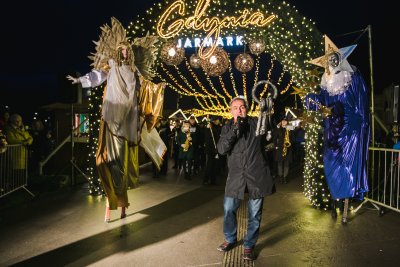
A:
42, 41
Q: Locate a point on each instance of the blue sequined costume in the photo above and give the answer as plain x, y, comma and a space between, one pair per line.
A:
346, 139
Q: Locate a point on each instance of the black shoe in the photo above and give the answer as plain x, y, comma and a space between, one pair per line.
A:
226, 246
334, 213
248, 254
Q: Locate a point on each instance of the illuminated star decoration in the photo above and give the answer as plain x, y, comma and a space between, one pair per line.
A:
310, 83
331, 48
299, 91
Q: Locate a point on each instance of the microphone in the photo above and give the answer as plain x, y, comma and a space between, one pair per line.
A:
238, 126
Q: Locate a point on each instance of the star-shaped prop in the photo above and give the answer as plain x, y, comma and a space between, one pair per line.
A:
332, 53
299, 91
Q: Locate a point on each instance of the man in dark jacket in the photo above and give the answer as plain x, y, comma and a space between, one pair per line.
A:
248, 169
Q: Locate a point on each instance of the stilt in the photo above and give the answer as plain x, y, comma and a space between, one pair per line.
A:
107, 216
346, 207
123, 213
334, 206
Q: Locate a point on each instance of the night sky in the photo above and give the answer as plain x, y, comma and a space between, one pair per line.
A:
43, 41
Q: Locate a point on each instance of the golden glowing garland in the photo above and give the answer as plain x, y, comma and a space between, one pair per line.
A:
287, 87
190, 86
198, 81
215, 91
221, 81
210, 96
281, 77
269, 73
185, 92
255, 80
244, 76
170, 85
295, 31
233, 80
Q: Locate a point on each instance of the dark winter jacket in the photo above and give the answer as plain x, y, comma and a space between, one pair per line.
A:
209, 137
278, 137
246, 162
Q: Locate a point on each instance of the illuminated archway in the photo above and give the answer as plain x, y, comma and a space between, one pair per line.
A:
290, 40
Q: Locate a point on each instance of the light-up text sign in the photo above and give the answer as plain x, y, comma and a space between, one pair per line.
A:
221, 41
199, 21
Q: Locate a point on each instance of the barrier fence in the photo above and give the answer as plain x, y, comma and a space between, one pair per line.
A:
383, 175
383, 179
14, 169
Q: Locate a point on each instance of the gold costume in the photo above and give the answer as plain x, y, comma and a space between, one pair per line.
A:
131, 105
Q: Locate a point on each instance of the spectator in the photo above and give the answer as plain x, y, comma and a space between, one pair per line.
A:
283, 150
4, 117
212, 135
17, 135
40, 145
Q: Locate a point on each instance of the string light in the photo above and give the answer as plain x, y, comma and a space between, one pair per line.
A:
290, 39
95, 100
315, 187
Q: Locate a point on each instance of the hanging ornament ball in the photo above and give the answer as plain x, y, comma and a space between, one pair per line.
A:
257, 46
244, 62
217, 63
171, 54
195, 61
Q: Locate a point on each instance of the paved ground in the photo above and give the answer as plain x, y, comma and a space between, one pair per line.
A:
174, 222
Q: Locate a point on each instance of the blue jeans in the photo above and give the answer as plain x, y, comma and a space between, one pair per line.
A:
254, 207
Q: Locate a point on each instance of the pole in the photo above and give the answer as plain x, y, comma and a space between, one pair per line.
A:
372, 105
72, 145
372, 86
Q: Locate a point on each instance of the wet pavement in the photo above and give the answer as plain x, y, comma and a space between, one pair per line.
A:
175, 222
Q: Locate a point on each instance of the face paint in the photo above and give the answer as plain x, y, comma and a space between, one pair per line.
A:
334, 60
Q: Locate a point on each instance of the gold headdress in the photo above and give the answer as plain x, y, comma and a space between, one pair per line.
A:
141, 54
145, 54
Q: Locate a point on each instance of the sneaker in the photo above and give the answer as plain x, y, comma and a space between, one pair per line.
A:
226, 246
248, 254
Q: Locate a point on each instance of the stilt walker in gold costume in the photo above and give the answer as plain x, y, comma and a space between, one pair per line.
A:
131, 105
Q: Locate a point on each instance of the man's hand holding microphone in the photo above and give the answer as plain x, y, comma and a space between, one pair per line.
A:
238, 126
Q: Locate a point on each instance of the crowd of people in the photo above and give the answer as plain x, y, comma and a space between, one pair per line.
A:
191, 145
31, 143
192, 148
230, 149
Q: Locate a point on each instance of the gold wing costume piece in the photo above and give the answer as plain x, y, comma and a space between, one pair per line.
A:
131, 105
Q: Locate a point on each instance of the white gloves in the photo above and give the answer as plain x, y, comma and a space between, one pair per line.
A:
73, 79
269, 136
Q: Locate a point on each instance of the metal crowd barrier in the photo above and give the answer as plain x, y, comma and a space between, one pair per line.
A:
14, 169
383, 179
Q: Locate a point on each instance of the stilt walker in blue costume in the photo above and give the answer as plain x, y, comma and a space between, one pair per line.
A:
346, 128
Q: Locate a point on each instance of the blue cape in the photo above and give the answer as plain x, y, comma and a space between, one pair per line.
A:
346, 139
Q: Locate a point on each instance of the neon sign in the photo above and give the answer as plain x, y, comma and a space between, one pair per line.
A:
199, 21
196, 42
